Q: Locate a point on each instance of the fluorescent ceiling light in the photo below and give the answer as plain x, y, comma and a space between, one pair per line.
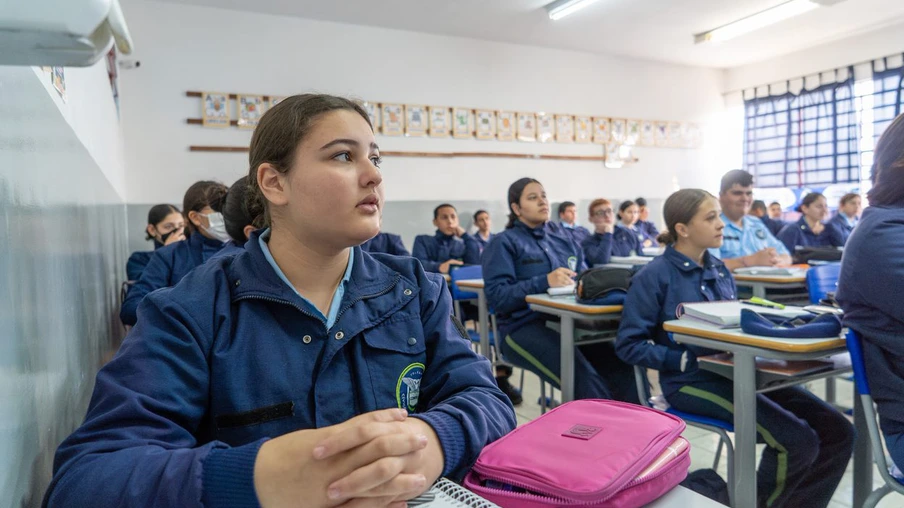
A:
561, 8
757, 21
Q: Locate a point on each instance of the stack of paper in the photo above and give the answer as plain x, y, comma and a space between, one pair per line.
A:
727, 314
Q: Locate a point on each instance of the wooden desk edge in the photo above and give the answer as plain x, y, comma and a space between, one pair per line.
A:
583, 309
469, 283
764, 343
770, 280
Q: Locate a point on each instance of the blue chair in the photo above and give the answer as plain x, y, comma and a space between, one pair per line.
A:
719, 427
822, 280
855, 347
465, 273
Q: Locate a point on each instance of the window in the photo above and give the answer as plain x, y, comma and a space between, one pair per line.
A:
887, 99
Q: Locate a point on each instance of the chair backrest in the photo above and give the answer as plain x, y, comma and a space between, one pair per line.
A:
855, 347
464, 273
821, 280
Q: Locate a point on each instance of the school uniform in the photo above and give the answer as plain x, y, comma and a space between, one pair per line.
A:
799, 234
597, 248
626, 241
386, 243
229, 248
575, 232
869, 292
233, 356
481, 241
773, 225
515, 264
166, 268
649, 232
752, 237
808, 442
843, 225
435, 250
138, 261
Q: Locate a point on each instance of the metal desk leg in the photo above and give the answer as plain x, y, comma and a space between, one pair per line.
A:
566, 352
758, 290
863, 456
483, 315
745, 431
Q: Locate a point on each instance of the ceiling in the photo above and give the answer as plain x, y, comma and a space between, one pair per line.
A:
660, 30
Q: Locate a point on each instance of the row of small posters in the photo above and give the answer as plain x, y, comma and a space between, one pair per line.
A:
486, 124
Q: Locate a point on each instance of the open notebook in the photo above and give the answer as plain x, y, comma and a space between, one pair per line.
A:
561, 291
447, 494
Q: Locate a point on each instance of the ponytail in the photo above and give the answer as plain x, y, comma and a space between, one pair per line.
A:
514, 197
680, 208
666, 238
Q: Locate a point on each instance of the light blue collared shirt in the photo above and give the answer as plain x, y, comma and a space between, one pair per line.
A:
753, 237
340, 291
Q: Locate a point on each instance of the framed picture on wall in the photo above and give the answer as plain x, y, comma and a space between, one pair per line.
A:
546, 127
694, 136
275, 100
462, 123
527, 127
58, 78
440, 124
647, 134
661, 133
601, 134
674, 134
583, 129
564, 128
251, 107
416, 120
486, 124
373, 112
632, 132
216, 109
393, 119
505, 126
619, 129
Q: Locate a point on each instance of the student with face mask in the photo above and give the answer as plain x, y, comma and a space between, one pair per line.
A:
165, 226
300, 372
206, 232
450, 246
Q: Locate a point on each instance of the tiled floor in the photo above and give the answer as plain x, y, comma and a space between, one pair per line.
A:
703, 443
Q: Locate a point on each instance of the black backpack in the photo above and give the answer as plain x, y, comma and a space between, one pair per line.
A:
606, 285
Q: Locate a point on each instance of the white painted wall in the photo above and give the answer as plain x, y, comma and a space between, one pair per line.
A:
229, 51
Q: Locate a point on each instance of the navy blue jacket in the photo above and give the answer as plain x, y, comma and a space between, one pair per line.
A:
773, 225
655, 293
138, 260
649, 232
386, 243
515, 265
799, 234
576, 234
481, 243
229, 248
166, 268
228, 358
598, 248
625, 242
435, 250
842, 228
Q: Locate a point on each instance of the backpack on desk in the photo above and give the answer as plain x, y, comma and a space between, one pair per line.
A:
605, 285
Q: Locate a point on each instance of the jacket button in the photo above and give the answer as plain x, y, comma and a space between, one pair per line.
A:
238, 283
412, 341
687, 264
306, 339
702, 288
340, 335
407, 292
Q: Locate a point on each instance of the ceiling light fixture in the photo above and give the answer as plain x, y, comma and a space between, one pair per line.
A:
761, 19
561, 8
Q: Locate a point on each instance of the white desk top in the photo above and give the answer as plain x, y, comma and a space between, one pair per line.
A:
736, 336
681, 497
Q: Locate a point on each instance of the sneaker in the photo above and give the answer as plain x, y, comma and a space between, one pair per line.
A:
510, 391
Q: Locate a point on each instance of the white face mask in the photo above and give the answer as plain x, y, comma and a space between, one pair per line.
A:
217, 227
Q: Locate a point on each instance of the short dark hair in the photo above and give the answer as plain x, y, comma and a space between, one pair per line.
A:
808, 200
888, 167
640, 202
847, 198
564, 206
202, 194
478, 212
759, 204
515, 191
775, 203
735, 176
235, 211
624, 205
157, 214
438, 208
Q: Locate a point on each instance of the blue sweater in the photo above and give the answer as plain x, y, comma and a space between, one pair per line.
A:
655, 293
386, 243
217, 365
841, 225
626, 241
435, 250
166, 268
649, 232
799, 234
515, 265
138, 261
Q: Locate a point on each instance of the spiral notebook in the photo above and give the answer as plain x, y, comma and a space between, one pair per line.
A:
447, 494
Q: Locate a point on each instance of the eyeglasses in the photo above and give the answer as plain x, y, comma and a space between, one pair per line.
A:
602, 213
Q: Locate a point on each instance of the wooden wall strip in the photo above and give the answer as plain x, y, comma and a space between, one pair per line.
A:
496, 155
192, 93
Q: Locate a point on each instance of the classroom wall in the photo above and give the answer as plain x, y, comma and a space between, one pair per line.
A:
62, 252
252, 53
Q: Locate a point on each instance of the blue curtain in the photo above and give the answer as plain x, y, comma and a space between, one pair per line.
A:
887, 98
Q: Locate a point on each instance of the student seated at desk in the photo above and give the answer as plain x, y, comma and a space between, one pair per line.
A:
165, 226
869, 288
848, 215
528, 258
808, 442
237, 218
627, 238
387, 243
568, 226
483, 224
646, 227
598, 246
206, 232
809, 230
450, 246
747, 240
758, 210
301, 372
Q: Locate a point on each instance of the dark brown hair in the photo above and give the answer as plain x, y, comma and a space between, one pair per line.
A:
156, 215
624, 206
847, 198
235, 211
808, 200
514, 197
888, 167
735, 176
278, 135
200, 195
680, 208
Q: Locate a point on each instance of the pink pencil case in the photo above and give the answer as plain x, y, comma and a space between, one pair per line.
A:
593, 453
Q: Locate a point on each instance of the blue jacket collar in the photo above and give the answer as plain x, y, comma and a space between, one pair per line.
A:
442, 237
537, 232
686, 264
157, 244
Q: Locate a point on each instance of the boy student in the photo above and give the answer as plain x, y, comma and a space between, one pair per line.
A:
449, 246
568, 226
758, 210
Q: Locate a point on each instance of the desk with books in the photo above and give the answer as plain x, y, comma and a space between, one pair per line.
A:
760, 281
746, 348
567, 309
